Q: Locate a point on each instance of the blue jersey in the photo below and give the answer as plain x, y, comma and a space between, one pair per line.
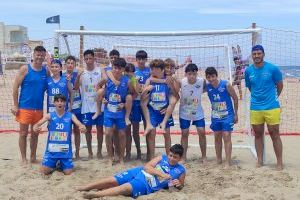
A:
76, 108
59, 144
262, 84
141, 75
155, 183
159, 97
221, 103
53, 88
115, 95
32, 89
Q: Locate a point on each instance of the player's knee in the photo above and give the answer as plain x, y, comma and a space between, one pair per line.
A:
23, 134
68, 172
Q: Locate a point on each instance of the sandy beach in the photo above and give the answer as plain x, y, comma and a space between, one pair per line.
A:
241, 181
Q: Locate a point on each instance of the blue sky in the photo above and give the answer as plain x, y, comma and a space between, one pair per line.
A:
155, 15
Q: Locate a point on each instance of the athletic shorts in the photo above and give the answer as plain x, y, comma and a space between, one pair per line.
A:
271, 117
26, 116
65, 163
136, 114
185, 124
110, 122
88, 121
156, 118
226, 125
136, 179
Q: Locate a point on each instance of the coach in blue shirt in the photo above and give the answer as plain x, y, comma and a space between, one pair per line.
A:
264, 80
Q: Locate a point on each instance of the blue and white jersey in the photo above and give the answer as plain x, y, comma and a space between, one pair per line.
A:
142, 75
159, 96
59, 141
76, 108
155, 183
221, 103
114, 96
53, 88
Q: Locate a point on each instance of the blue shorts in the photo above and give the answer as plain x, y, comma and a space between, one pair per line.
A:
136, 114
226, 125
156, 118
110, 122
185, 124
65, 163
88, 121
136, 179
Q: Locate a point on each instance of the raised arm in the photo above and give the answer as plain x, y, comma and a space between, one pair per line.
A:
17, 83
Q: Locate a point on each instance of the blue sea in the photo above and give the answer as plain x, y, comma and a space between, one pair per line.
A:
290, 71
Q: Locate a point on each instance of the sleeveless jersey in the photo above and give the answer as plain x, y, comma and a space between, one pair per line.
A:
221, 103
190, 100
88, 90
32, 89
115, 95
141, 76
159, 96
175, 171
59, 144
53, 88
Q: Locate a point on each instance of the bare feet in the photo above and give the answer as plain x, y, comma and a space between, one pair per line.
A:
128, 157
139, 155
279, 166
99, 155
33, 160
259, 164
204, 161
219, 161
24, 161
90, 156
91, 195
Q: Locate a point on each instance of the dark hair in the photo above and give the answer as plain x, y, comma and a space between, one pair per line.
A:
211, 71
114, 52
157, 63
177, 149
236, 58
141, 54
129, 67
59, 96
70, 58
191, 68
89, 51
39, 48
56, 61
119, 62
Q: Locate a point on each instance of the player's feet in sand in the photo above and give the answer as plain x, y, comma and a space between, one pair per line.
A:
127, 157
90, 156
77, 157
279, 166
228, 164
127, 121
24, 161
91, 195
99, 155
204, 161
258, 165
110, 162
33, 159
96, 115
219, 161
121, 162
82, 188
139, 155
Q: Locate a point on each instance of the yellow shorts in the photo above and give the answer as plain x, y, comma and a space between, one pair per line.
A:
271, 117
25, 116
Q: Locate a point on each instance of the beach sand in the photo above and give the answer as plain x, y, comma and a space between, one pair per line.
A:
241, 181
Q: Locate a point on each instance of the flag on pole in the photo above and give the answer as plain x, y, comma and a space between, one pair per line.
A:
53, 20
